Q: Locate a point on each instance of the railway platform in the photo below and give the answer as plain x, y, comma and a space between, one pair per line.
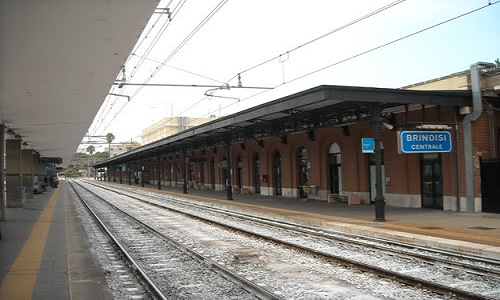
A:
469, 233
45, 252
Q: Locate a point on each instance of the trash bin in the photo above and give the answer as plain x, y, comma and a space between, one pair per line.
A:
23, 193
312, 190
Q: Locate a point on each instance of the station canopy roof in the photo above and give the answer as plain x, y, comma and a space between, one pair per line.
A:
321, 106
58, 60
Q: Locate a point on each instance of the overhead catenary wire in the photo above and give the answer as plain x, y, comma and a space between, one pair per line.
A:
219, 6
183, 43
287, 53
157, 37
173, 53
181, 69
358, 55
146, 35
364, 17
353, 22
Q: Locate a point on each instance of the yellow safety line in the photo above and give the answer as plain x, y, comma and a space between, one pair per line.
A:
20, 281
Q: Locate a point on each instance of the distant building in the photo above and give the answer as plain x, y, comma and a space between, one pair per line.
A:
170, 126
119, 148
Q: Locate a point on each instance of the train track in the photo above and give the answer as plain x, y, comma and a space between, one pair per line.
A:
167, 269
282, 269
443, 273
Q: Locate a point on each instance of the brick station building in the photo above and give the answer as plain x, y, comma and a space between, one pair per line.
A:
309, 145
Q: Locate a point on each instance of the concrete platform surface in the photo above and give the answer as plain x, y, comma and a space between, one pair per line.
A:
45, 254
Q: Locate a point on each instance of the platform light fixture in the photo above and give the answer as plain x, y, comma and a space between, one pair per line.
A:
434, 126
388, 126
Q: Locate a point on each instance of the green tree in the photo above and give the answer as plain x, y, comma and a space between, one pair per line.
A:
109, 138
101, 155
497, 62
91, 149
78, 155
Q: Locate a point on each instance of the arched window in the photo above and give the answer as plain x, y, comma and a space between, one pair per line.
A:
335, 169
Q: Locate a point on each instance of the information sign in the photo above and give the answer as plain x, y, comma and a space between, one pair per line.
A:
424, 141
367, 145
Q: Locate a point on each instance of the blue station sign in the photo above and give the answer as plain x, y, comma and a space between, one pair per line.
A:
367, 145
424, 141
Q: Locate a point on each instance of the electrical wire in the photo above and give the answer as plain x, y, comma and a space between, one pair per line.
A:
219, 6
349, 58
183, 70
373, 13
145, 36
182, 44
362, 53
173, 53
157, 37
362, 18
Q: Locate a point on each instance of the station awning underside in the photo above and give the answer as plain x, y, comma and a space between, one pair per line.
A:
58, 60
322, 106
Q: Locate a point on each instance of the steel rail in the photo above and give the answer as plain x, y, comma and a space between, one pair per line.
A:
341, 236
150, 286
247, 285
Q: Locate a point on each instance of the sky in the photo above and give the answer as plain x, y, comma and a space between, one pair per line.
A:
276, 47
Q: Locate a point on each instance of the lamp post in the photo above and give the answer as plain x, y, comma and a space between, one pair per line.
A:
379, 197
184, 171
229, 188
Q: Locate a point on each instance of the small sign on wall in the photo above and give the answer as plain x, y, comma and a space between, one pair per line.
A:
367, 145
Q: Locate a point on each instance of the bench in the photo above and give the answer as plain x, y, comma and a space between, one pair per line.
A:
351, 199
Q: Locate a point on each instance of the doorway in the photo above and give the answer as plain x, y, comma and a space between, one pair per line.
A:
431, 180
256, 166
212, 173
277, 173
335, 169
239, 172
